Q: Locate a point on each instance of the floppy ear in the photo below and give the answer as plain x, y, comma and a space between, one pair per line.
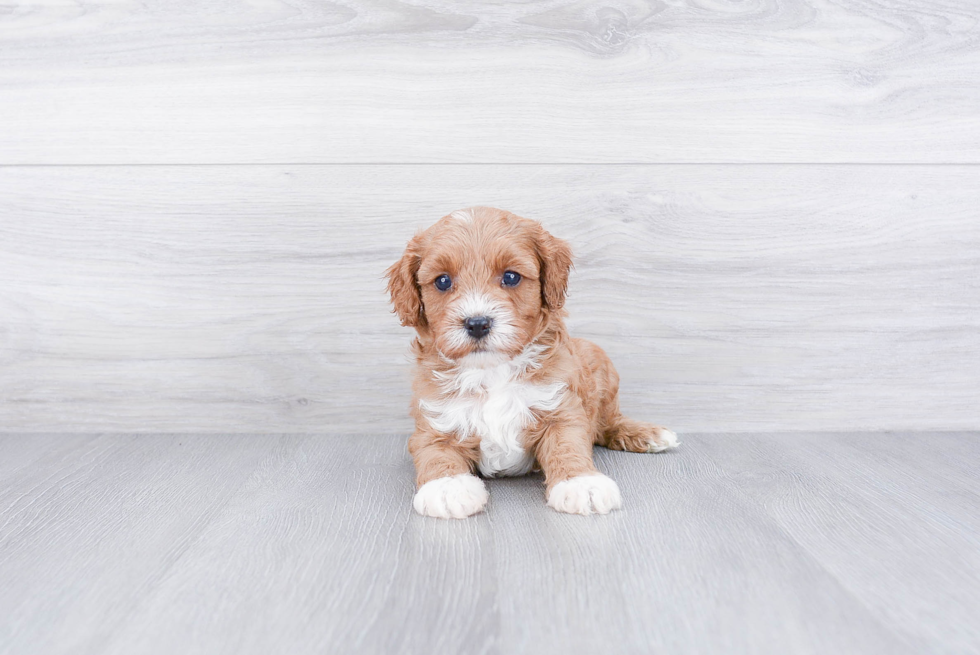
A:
556, 261
404, 287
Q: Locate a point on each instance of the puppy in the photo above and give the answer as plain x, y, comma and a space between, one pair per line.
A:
499, 386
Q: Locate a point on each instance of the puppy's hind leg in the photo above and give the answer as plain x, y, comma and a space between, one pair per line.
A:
615, 431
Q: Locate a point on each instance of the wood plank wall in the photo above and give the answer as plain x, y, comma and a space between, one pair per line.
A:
775, 204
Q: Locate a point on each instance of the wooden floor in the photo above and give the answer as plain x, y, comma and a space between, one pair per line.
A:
734, 543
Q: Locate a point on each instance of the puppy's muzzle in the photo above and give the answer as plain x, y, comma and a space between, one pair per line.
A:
477, 326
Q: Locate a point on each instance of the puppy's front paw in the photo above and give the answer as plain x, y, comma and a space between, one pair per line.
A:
585, 494
661, 439
454, 497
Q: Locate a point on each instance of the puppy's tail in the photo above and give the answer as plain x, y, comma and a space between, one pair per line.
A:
638, 437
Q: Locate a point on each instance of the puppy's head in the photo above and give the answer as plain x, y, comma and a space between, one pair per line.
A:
480, 280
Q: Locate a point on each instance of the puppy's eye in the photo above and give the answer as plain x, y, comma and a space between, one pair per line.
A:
443, 282
511, 279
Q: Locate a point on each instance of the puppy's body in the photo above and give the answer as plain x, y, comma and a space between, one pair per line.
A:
499, 385
493, 402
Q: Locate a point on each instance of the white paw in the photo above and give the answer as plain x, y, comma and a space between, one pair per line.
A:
663, 440
585, 494
453, 497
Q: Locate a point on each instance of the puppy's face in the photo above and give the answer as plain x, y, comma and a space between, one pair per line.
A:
481, 282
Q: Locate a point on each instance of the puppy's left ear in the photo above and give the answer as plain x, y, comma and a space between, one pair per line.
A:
403, 285
555, 256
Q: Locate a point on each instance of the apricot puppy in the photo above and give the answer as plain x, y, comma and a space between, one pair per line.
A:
499, 386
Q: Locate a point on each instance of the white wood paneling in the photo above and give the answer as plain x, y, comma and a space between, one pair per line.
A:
250, 298
381, 81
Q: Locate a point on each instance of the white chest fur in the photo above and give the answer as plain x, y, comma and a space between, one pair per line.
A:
493, 404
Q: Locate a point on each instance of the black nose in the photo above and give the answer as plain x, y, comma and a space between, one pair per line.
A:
477, 326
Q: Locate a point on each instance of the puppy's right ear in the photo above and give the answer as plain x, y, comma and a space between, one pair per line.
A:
404, 287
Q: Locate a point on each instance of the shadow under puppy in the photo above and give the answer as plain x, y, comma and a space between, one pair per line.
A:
499, 386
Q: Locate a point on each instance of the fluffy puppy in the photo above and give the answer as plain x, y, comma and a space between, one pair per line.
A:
499, 386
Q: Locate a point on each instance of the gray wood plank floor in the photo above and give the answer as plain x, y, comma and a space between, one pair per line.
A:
735, 543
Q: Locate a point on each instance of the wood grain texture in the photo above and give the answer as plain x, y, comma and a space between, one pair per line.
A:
762, 543
223, 299
383, 81
90, 529
880, 519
